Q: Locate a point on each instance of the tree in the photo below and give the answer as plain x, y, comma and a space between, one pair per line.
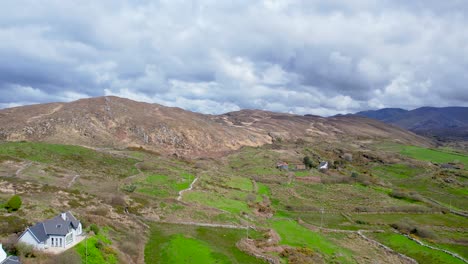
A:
308, 162
14, 203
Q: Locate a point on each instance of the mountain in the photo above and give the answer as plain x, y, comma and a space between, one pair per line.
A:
118, 122
444, 123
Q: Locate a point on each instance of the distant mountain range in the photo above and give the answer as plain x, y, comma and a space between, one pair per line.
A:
445, 123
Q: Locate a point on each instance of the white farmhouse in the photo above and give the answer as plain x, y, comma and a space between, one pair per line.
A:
323, 165
60, 231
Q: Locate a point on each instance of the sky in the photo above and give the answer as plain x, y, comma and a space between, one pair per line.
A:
211, 56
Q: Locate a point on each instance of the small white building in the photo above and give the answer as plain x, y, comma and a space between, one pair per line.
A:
60, 231
323, 165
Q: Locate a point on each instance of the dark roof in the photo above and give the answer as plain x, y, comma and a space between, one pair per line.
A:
11, 260
39, 232
323, 163
54, 226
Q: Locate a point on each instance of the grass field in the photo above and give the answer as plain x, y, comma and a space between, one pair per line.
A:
396, 171
414, 250
222, 202
164, 186
296, 235
177, 244
433, 155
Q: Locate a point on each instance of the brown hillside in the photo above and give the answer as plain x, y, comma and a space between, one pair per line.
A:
118, 122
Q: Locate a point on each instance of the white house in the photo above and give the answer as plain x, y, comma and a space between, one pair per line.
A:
323, 165
7, 260
60, 231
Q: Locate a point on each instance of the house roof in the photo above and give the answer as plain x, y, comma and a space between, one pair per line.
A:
38, 232
11, 260
54, 226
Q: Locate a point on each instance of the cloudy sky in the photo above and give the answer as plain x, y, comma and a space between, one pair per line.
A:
211, 56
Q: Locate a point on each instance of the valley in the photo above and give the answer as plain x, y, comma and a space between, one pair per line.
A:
241, 208
243, 187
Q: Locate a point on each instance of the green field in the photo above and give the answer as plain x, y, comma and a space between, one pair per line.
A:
433, 155
174, 244
164, 186
293, 234
231, 204
396, 171
412, 249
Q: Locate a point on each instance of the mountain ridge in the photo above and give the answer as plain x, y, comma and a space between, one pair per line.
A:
118, 122
443, 123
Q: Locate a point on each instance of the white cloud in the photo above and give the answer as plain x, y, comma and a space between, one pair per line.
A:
325, 57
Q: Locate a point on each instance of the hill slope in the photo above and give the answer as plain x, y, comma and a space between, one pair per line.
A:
443, 123
118, 122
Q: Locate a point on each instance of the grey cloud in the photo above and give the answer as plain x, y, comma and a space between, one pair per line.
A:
319, 57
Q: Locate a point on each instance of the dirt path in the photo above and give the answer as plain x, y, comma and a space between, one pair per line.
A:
186, 190
73, 180
46, 114
22, 168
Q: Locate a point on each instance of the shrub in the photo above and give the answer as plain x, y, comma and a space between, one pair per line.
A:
308, 162
14, 203
129, 188
67, 257
94, 228
25, 250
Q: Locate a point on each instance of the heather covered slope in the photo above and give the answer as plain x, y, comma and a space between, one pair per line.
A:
118, 122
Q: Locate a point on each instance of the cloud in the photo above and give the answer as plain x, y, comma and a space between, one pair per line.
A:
317, 57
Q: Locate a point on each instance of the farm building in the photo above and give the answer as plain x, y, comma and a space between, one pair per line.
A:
323, 165
299, 167
282, 165
59, 232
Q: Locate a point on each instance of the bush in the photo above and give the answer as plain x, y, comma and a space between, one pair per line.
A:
94, 228
25, 250
308, 162
129, 188
67, 257
14, 203
407, 226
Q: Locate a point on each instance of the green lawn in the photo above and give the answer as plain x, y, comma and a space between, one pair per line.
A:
293, 234
412, 249
174, 244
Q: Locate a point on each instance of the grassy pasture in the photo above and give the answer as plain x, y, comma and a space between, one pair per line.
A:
170, 243
234, 202
414, 250
293, 234
164, 186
